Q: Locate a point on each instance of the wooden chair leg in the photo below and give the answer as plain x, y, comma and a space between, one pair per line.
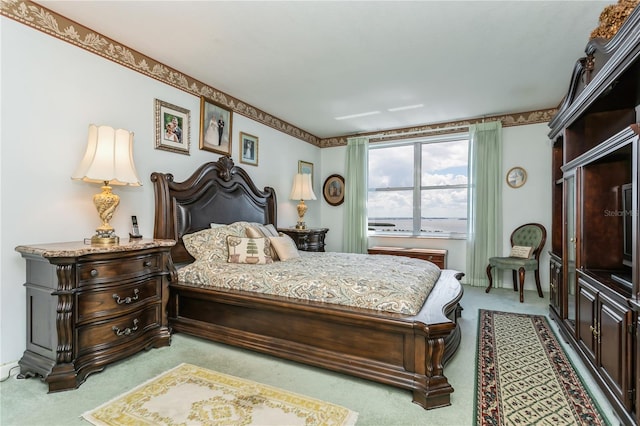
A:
521, 273
537, 275
515, 280
490, 279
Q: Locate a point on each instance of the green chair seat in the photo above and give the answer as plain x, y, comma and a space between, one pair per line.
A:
514, 263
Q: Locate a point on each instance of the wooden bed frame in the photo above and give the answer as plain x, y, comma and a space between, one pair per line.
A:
403, 351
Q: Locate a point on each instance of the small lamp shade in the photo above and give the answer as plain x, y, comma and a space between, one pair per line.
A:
302, 190
107, 160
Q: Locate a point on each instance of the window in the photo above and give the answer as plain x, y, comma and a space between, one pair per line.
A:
419, 187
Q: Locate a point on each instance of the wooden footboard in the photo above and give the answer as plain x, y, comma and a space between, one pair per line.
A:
401, 351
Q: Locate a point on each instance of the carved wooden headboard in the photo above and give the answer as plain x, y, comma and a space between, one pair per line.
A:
218, 192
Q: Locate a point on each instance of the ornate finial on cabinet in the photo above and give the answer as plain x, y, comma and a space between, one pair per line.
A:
589, 64
612, 18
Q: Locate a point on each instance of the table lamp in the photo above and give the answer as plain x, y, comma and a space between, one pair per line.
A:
302, 190
108, 160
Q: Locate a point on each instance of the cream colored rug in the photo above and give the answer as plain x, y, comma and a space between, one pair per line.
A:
191, 395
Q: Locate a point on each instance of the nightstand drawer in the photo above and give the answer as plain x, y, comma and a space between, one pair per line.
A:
107, 334
110, 301
118, 269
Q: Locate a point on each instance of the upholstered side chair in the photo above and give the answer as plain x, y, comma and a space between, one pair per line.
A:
532, 235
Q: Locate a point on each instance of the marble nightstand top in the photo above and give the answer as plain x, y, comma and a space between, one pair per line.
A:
79, 248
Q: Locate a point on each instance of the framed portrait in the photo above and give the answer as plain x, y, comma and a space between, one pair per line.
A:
306, 167
215, 127
248, 149
173, 127
333, 190
516, 177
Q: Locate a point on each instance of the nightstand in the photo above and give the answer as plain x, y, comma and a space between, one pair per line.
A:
88, 306
310, 239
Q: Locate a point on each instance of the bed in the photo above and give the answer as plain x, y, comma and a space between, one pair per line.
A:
405, 351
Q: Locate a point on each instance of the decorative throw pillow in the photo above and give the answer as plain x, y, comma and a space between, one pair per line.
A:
285, 247
257, 230
249, 250
521, 251
211, 243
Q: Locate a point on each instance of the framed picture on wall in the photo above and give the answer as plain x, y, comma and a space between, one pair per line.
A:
516, 177
173, 127
306, 167
215, 127
248, 149
333, 190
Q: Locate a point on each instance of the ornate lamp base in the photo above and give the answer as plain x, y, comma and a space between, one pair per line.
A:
302, 209
105, 238
106, 203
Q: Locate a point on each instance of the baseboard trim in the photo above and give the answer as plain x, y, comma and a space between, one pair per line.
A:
6, 370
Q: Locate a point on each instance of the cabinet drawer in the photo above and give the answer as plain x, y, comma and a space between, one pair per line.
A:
124, 329
117, 269
436, 256
110, 301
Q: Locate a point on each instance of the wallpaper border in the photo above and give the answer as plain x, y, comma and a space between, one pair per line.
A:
40, 18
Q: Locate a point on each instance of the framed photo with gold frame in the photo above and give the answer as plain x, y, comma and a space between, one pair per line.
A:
248, 149
516, 177
173, 127
216, 122
333, 190
306, 167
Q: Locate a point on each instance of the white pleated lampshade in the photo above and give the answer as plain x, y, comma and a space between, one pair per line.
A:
302, 188
108, 158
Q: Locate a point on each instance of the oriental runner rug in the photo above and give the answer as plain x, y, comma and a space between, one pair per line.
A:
190, 395
523, 376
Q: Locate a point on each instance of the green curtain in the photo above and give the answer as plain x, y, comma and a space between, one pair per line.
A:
484, 236
355, 196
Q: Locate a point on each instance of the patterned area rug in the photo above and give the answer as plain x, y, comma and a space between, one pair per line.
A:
524, 377
190, 395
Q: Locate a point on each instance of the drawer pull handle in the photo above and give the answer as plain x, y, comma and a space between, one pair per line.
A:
147, 263
126, 331
94, 273
127, 300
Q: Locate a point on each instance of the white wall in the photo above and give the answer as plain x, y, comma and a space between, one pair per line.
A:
525, 146
51, 92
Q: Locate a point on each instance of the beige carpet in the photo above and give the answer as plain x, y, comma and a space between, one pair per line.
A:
524, 377
191, 395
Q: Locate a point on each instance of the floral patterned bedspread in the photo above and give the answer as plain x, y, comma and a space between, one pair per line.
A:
380, 282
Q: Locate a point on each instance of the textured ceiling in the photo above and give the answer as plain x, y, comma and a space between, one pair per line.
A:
307, 62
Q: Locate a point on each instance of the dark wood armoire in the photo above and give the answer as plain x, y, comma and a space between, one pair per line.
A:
594, 270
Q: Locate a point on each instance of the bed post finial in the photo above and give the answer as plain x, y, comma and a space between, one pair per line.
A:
225, 164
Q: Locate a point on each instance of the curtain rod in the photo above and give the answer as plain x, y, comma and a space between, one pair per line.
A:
417, 132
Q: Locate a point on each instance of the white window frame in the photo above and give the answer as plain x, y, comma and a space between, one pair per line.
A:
417, 189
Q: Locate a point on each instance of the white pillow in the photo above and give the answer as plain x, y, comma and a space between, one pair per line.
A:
285, 247
249, 250
521, 251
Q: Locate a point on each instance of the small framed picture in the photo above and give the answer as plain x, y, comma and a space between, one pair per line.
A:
248, 149
305, 167
215, 127
173, 127
516, 177
333, 190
